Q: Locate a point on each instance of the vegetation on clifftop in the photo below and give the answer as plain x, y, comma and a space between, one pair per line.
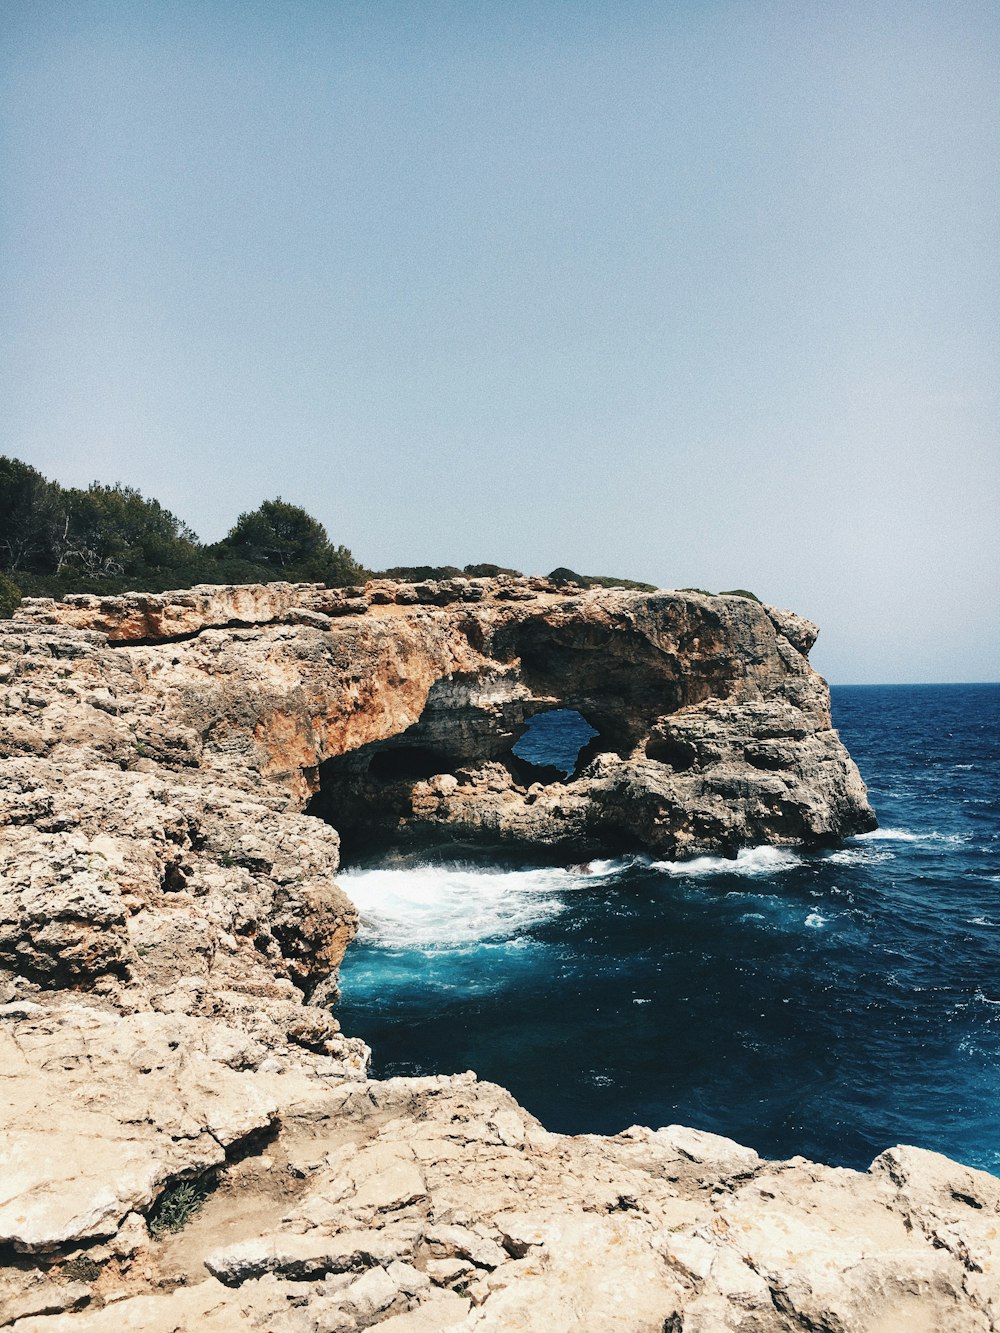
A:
563, 575
110, 539
56, 540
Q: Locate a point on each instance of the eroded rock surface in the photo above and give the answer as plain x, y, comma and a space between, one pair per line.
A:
170, 932
397, 707
439, 1203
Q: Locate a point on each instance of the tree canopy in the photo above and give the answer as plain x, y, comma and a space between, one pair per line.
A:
30, 516
284, 537
99, 532
56, 539
278, 534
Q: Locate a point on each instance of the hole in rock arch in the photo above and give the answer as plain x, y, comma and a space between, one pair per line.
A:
555, 740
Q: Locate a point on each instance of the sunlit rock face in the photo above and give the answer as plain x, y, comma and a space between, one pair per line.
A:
396, 710
170, 932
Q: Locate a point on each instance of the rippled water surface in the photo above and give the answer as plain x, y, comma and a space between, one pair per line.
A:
828, 1004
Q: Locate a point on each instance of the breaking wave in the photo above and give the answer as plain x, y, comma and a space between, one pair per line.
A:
905, 835
444, 907
750, 862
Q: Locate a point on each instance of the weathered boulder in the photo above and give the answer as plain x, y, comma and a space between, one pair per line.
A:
100, 1110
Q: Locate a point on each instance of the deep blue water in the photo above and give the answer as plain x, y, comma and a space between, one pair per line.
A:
830, 1004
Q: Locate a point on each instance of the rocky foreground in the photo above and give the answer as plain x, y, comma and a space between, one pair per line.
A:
170, 932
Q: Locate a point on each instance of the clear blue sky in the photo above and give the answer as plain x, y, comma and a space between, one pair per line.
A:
699, 293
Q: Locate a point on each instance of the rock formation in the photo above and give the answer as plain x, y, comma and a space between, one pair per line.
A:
170, 932
395, 708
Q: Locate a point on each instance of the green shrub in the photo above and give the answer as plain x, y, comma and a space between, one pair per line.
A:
420, 573
561, 576
10, 597
726, 592
177, 1205
488, 571
609, 581
81, 1269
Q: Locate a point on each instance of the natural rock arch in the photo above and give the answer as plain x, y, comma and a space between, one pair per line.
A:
714, 731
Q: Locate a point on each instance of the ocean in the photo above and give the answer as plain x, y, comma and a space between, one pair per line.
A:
830, 1004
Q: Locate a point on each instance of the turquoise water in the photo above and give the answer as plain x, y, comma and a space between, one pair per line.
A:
829, 1004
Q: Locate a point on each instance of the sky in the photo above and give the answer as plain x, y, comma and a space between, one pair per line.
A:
702, 293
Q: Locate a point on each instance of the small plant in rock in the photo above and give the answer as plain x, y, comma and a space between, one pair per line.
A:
82, 1269
177, 1205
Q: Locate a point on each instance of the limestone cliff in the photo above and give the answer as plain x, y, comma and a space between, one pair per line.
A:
396, 708
170, 931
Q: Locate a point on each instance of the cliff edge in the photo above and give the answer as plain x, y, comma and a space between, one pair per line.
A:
170, 932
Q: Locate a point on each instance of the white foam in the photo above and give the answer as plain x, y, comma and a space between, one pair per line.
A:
752, 862
905, 835
606, 868
815, 920
854, 856
449, 907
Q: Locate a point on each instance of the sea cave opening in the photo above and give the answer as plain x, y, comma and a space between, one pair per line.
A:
555, 739
415, 762
422, 789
